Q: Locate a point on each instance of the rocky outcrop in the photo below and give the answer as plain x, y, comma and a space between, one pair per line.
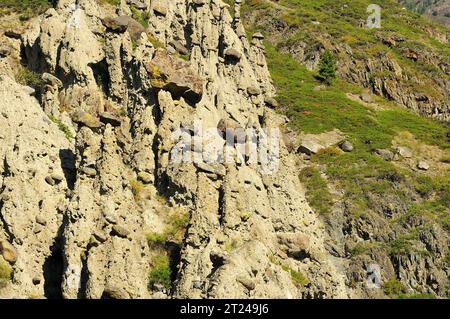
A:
90, 175
123, 97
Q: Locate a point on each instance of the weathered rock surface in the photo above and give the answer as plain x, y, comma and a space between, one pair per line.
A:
78, 211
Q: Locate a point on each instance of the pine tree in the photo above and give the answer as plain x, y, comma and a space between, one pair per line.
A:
327, 67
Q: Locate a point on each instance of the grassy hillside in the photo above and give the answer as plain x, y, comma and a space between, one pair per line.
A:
370, 186
438, 10
25, 8
360, 171
406, 39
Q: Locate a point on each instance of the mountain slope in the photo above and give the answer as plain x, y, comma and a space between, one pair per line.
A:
95, 201
407, 60
381, 210
437, 10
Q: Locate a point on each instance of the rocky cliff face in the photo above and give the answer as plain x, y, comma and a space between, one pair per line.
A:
78, 211
92, 202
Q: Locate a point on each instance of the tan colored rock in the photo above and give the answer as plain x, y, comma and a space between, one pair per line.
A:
176, 76
8, 252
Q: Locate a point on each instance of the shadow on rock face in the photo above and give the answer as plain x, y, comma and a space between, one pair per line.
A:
67, 158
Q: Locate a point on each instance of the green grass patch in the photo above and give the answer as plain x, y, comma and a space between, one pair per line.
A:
30, 78
25, 8
363, 248
316, 190
297, 277
393, 287
62, 127
360, 172
160, 272
5, 273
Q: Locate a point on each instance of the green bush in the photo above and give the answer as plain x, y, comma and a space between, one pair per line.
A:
327, 67
5, 273
393, 287
156, 239
363, 248
25, 8
160, 272
141, 17
416, 296
30, 78
297, 277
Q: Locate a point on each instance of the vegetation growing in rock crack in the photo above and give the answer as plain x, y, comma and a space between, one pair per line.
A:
5, 273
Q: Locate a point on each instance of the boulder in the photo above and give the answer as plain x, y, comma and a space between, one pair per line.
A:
86, 119
119, 231
404, 151
366, 97
145, 177
253, 90
424, 166
271, 102
58, 178
124, 23
108, 118
246, 282
8, 252
179, 47
112, 292
100, 236
137, 4
89, 171
176, 76
258, 35
310, 147
41, 220
213, 168
387, 155
51, 80
346, 146
232, 54
160, 10
50, 180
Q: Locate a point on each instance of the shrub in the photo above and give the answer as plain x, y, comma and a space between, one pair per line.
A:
297, 277
393, 287
30, 78
139, 16
156, 239
416, 296
363, 248
137, 188
160, 272
5, 273
327, 67
177, 222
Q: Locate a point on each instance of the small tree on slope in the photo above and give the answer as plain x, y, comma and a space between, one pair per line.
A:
327, 67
